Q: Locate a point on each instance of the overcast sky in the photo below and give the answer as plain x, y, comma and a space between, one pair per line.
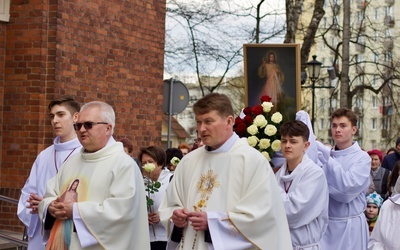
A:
220, 37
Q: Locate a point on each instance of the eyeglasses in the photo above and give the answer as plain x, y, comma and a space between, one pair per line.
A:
86, 125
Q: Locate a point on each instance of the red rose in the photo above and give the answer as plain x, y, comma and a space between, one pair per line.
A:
248, 120
247, 111
265, 98
238, 120
240, 129
257, 110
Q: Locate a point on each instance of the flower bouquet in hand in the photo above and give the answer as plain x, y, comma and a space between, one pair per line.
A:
175, 161
260, 125
151, 187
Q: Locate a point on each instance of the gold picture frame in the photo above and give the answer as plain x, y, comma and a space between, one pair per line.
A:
279, 78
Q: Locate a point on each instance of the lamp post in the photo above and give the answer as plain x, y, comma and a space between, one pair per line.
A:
314, 68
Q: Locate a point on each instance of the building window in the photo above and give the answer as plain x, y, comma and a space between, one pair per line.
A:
373, 144
373, 123
322, 124
322, 101
374, 102
376, 13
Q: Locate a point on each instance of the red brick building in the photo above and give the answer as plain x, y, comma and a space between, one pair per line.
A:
94, 50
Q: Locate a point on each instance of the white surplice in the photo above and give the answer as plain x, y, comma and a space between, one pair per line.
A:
111, 199
237, 189
305, 198
43, 169
348, 174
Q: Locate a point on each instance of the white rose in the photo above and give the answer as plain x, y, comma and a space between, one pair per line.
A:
267, 106
266, 155
270, 130
149, 167
252, 129
264, 143
252, 140
175, 161
276, 145
260, 121
276, 117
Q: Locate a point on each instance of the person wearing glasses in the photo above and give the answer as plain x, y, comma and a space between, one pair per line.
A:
224, 194
63, 113
303, 188
110, 212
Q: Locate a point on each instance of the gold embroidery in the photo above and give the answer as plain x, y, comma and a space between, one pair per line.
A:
205, 187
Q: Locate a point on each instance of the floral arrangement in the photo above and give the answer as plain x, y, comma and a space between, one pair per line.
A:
260, 125
175, 161
151, 187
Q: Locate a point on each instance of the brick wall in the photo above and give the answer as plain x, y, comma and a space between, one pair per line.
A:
94, 50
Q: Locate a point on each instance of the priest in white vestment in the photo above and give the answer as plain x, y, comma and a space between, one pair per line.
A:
223, 195
110, 211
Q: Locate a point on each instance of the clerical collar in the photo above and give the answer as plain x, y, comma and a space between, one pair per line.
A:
226, 146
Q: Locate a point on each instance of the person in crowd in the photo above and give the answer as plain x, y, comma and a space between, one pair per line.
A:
155, 155
223, 195
374, 203
63, 113
371, 187
303, 188
197, 142
379, 175
171, 153
128, 148
385, 235
392, 179
185, 148
391, 159
347, 169
111, 209
391, 151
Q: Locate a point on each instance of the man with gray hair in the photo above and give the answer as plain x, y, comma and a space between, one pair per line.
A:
97, 199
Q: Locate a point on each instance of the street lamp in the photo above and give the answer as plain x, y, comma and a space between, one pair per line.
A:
314, 68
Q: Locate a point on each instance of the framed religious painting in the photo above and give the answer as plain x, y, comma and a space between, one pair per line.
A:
273, 70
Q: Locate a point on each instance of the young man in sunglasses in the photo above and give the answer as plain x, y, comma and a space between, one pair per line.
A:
107, 210
63, 113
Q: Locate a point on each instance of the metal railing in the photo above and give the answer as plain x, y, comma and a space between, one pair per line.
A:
21, 244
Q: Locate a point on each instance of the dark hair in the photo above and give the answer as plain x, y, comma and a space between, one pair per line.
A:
171, 153
154, 152
66, 101
127, 144
214, 101
295, 128
393, 176
347, 113
390, 150
70, 187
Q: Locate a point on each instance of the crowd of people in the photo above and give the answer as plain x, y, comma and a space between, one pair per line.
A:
87, 191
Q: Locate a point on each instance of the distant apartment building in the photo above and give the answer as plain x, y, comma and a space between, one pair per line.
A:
373, 72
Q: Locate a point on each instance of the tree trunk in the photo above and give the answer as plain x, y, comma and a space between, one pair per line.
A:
345, 102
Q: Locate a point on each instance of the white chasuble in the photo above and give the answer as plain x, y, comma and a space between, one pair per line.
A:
240, 185
110, 198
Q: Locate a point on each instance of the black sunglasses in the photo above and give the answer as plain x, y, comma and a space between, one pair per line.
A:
87, 125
